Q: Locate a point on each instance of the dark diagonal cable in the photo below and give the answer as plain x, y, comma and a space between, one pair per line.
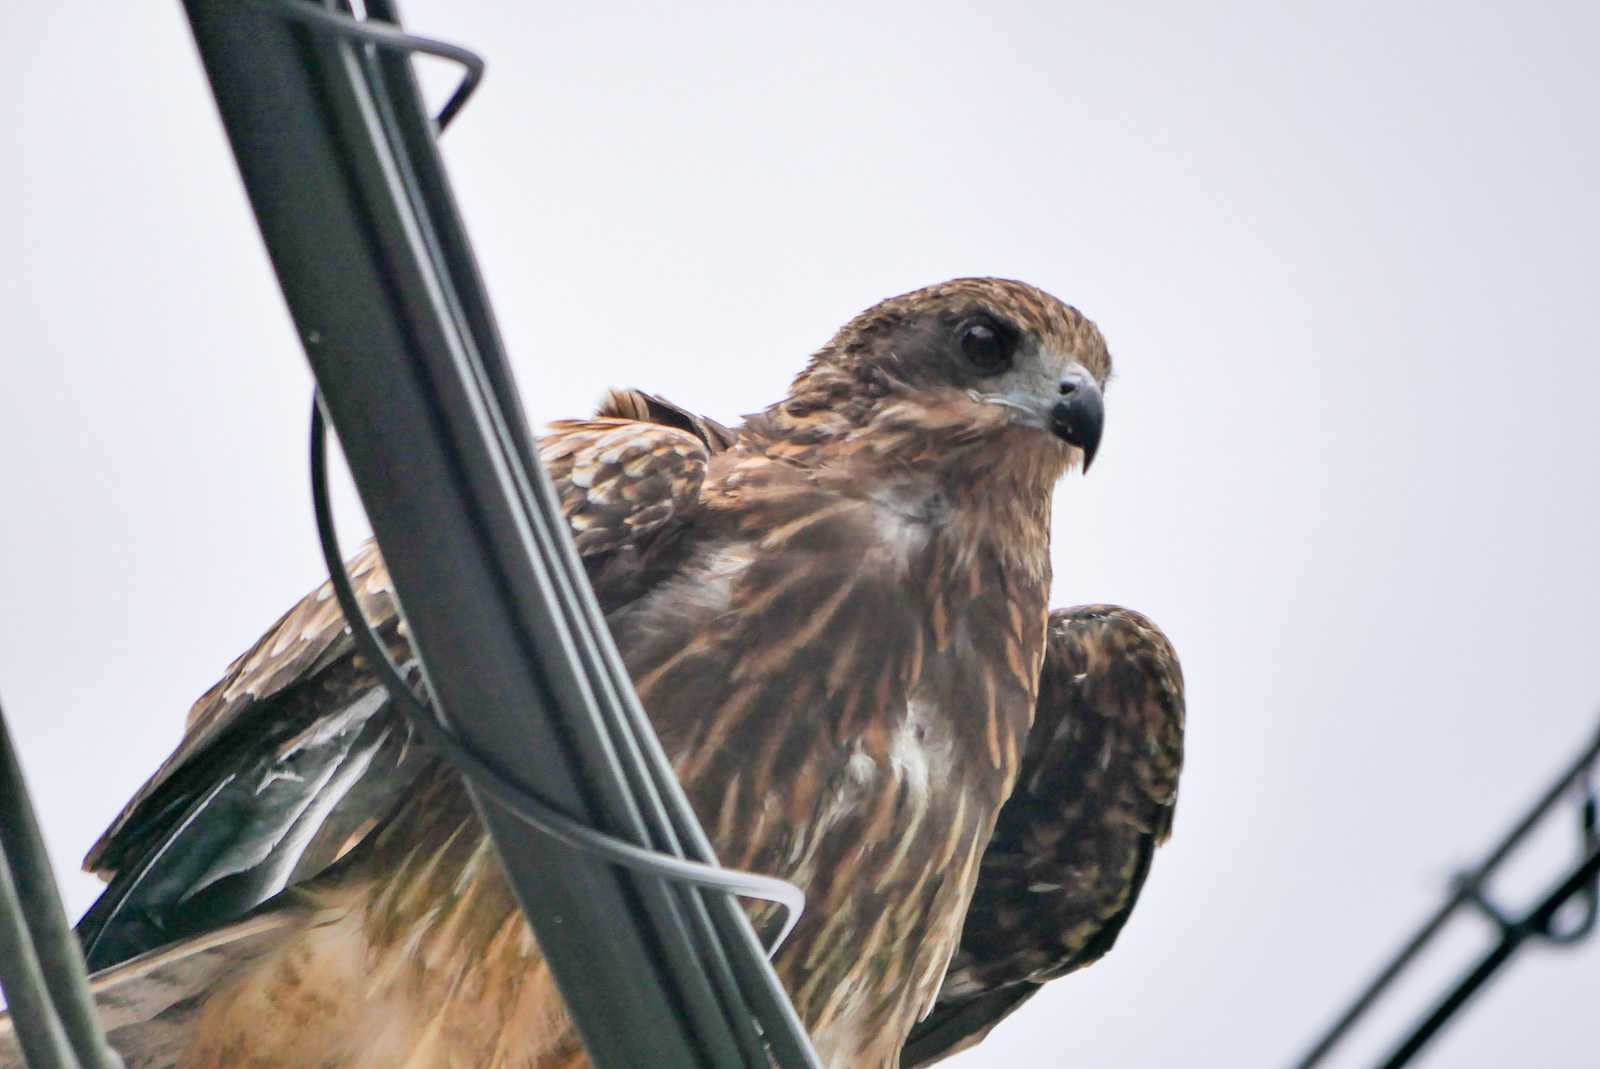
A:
43, 964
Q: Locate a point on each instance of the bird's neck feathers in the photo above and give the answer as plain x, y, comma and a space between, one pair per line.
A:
966, 468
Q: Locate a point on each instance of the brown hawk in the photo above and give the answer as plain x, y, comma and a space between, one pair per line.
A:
836, 616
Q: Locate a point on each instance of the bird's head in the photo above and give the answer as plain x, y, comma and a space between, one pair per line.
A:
987, 368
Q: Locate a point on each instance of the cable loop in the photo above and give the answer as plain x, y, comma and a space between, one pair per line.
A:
1575, 929
383, 35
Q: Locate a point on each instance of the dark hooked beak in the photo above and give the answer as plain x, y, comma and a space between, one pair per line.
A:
1080, 415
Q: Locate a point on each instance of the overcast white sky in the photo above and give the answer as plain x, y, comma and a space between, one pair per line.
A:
1345, 257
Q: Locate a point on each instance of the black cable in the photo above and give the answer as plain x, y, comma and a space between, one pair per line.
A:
34, 1021
1537, 924
34, 905
748, 988
717, 932
382, 35
1468, 891
535, 812
33, 1018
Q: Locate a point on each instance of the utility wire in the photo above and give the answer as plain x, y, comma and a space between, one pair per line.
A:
716, 929
1469, 891
393, 39
1538, 924
41, 964
379, 275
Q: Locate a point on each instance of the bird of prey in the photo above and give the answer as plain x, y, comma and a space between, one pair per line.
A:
836, 616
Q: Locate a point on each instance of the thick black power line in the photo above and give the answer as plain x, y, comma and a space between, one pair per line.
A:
340, 163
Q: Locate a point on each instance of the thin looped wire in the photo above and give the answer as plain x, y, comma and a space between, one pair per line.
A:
382, 35
533, 811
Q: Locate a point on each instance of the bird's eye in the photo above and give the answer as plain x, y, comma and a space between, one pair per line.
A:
985, 348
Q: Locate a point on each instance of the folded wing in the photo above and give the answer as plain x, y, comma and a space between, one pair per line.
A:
1073, 844
297, 754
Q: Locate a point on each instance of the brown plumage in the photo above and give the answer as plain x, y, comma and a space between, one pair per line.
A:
836, 617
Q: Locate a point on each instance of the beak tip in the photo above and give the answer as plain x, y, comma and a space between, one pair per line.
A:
1079, 420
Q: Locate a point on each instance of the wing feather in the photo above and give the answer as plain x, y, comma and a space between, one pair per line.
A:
296, 754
